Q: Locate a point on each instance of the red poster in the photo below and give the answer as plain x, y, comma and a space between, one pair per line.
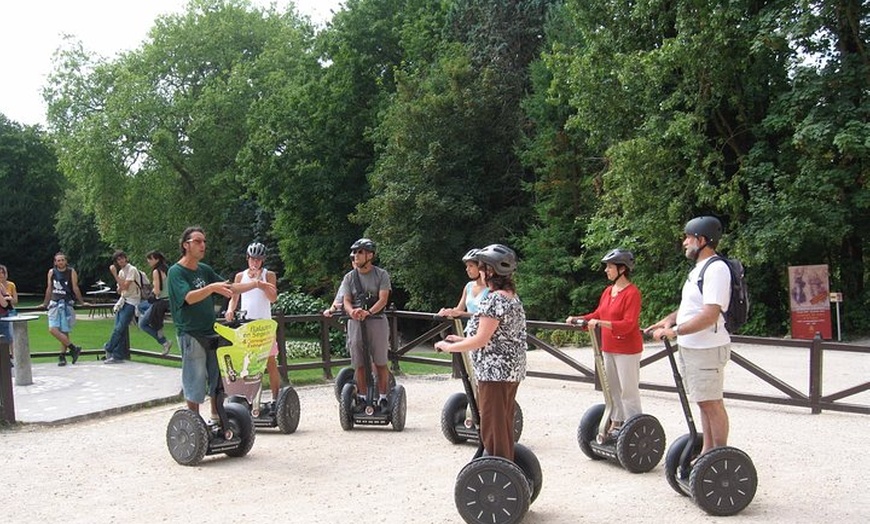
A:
810, 301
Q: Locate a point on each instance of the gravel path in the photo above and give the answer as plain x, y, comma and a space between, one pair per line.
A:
118, 469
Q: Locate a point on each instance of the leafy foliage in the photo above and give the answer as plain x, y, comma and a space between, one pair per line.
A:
32, 193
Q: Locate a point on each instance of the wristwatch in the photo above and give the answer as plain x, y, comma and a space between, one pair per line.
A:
676, 329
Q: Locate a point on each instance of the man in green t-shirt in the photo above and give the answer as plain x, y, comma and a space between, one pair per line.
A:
192, 286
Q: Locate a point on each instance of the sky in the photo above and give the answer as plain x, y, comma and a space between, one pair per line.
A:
31, 31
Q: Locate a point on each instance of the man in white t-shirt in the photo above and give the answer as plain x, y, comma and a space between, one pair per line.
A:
699, 327
127, 278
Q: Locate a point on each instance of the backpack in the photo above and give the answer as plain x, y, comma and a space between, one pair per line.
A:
146, 290
738, 308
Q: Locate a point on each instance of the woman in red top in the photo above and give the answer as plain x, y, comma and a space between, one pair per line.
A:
618, 315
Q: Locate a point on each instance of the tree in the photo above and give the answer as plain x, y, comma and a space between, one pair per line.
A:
447, 177
32, 192
151, 138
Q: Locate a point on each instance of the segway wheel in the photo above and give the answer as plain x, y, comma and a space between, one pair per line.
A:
346, 405
398, 408
588, 430
187, 437
344, 376
242, 425
672, 461
453, 417
287, 409
518, 421
492, 490
723, 481
528, 462
641, 444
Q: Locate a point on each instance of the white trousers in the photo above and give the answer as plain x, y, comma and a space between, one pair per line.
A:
623, 376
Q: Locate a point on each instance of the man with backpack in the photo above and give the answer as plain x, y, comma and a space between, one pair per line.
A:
699, 327
365, 291
127, 277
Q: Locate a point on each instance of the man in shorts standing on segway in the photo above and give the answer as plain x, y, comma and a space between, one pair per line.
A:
699, 327
192, 286
365, 291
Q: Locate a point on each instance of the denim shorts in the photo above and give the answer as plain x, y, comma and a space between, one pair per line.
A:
199, 369
61, 315
703, 371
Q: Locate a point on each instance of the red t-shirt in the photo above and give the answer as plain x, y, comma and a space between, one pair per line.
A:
623, 311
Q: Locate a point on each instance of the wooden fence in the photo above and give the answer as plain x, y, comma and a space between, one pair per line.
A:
433, 328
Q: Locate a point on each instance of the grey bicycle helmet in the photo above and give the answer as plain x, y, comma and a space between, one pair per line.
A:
707, 226
499, 257
470, 255
363, 243
619, 256
256, 250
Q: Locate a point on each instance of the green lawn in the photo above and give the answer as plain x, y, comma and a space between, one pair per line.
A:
92, 333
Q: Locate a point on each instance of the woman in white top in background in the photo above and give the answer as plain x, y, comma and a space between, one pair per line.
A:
472, 293
260, 291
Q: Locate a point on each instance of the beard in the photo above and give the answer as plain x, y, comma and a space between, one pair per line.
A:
692, 252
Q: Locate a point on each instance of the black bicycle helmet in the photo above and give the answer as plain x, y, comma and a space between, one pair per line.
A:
707, 227
499, 257
620, 257
470, 255
363, 243
256, 250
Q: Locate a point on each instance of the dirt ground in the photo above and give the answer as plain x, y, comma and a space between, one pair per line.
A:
118, 469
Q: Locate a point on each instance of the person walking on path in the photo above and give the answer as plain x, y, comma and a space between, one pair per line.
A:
192, 286
61, 294
497, 341
151, 313
365, 291
699, 327
259, 290
618, 314
127, 279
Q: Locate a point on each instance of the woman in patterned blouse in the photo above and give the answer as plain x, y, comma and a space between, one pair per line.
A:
497, 341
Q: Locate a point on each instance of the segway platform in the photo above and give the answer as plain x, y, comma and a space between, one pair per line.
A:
722, 481
251, 343
638, 446
188, 437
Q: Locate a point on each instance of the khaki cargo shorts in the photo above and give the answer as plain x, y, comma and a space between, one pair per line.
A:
703, 371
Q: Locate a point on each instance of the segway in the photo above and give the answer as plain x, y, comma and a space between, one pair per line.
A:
493, 490
637, 446
190, 439
722, 481
245, 387
458, 424
354, 411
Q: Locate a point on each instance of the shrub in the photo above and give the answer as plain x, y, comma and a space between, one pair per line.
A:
298, 303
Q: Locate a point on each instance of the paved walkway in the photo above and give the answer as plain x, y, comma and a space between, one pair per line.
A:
90, 388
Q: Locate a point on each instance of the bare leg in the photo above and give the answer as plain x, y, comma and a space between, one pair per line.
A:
362, 383
714, 423
383, 379
62, 337
274, 377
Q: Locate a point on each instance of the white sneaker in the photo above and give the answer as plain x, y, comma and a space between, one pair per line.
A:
166, 347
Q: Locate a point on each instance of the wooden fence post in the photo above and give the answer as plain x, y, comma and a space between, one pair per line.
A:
816, 374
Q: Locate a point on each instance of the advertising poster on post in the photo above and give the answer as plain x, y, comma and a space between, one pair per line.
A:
810, 301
